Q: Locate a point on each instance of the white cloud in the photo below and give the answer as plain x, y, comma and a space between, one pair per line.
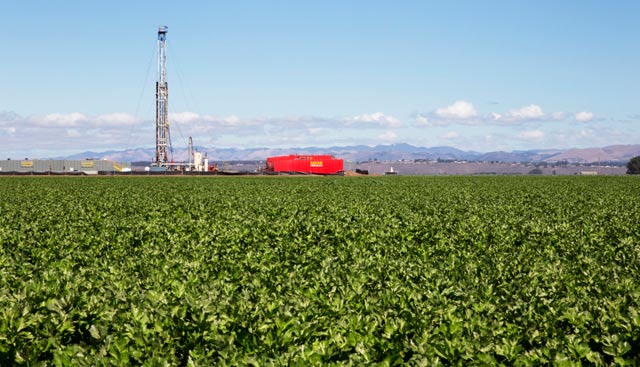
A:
233, 120
315, 131
73, 133
184, 117
115, 119
58, 120
195, 123
586, 133
583, 116
77, 119
599, 135
462, 112
197, 120
459, 110
59, 132
450, 135
421, 120
377, 118
426, 120
531, 135
526, 113
233, 123
388, 136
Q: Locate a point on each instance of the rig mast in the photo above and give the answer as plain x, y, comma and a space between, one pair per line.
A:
162, 100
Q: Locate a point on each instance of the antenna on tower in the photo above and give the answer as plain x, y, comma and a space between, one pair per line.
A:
162, 100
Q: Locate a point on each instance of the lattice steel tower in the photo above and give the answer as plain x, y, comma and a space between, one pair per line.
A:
162, 101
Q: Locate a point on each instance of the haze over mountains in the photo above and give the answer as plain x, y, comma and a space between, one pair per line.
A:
394, 152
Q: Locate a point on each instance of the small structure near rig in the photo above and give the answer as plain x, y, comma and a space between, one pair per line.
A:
391, 172
305, 164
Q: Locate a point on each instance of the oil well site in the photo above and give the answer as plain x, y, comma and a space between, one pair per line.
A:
163, 162
295, 161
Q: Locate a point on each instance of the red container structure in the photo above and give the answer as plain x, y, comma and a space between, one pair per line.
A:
307, 164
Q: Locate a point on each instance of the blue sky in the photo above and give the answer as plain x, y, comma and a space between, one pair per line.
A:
476, 75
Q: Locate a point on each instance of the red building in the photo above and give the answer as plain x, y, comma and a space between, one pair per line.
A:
315, 164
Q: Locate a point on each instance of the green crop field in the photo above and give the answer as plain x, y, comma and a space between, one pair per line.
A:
521, 271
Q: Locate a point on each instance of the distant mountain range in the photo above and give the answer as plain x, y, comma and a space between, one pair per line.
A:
394, 152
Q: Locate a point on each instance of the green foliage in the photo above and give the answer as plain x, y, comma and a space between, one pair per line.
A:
464, 271
633, 166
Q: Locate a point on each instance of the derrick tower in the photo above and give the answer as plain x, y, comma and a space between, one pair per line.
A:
163, 140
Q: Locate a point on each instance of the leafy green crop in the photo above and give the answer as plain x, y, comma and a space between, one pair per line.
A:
521, 271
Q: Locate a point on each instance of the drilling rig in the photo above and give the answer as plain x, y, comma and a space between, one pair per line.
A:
163, 140
164, 154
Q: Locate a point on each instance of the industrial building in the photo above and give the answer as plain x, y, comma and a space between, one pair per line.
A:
42, 166
306, 164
